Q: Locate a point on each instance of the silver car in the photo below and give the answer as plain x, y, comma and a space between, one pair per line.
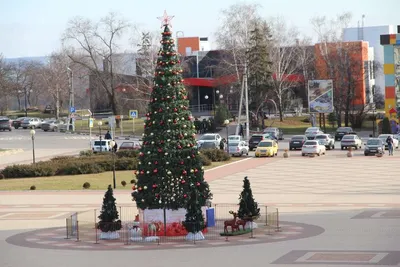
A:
31, 123
238, 148
311, 132
51, 125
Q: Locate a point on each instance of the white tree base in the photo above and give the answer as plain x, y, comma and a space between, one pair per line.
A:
251, 225
196, 236
109, 235
136, 234
151, 238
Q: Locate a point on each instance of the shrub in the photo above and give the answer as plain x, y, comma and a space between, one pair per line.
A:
123, 183
74, 168
63, 158
29, 170
205, 160
216, 154
32, 187
127, 153
306, 120
86, 185
86, 153
124, 164
1, 176
133, 181
221, 114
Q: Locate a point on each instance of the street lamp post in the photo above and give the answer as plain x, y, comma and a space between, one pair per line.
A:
215, 96
226, 122
33, 144
99, 124
112, 144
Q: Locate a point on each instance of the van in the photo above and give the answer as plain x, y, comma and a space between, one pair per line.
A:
101, 146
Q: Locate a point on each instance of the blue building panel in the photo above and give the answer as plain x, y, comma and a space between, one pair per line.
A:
389, 80
388, 54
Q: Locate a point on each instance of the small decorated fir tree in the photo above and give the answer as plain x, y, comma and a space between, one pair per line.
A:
194, 220
109, 214
248, 207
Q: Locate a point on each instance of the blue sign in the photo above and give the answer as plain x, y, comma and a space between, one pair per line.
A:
133, 114
72, 110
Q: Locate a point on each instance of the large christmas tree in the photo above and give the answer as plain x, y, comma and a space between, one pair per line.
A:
170, 169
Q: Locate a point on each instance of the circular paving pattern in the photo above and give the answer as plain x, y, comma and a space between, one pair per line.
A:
55, 238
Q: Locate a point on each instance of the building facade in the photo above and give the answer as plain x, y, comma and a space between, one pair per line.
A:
391, 69
372, 36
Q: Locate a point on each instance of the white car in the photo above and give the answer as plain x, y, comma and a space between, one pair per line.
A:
313, 147
383, 137
209, 138
101, 146
350, 140
327, 140
31, 123
238, 148
235, 138
311, 132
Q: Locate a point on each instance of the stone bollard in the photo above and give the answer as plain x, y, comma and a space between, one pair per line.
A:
350, 152
286, 154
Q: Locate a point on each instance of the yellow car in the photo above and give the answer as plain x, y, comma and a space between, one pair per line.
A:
267, 148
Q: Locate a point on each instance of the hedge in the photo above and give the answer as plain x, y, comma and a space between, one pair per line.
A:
88, 163
216, 154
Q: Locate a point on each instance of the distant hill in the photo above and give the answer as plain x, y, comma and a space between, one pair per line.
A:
42, 60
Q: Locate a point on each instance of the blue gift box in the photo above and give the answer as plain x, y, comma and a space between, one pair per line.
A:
210, 213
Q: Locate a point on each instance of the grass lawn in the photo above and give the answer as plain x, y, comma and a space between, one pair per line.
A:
98, 181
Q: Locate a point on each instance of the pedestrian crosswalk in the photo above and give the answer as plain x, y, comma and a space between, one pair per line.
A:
62, 137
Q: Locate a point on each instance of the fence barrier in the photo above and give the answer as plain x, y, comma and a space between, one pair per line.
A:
221, 225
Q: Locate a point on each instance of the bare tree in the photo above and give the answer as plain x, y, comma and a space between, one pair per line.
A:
284, 61
55, 80
233, 35
5, 85
94, 45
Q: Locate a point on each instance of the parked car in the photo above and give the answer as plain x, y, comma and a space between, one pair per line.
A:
31, 123
235, 138
311, 132
374, 146
257, 138
327, 140
313, 147
208, 145
101, 146
278, 133
383, 137
267, 148
5, 124
17, 122
342, 131
131, 145
297, 142
51, 125
210, 138
238, 148
350, 140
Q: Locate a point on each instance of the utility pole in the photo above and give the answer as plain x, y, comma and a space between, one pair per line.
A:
247, 101
71, 99
240, 107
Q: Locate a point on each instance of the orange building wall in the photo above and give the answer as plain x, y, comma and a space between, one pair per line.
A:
358, 52
184, 42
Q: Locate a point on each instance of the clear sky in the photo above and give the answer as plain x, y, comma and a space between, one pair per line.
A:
33, 27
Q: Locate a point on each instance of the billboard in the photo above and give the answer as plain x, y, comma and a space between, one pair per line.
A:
320, 96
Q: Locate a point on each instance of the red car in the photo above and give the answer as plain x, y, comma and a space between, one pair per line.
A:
131, 145
17, 123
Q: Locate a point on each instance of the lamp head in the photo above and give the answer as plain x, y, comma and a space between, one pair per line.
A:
100, 123
112, 143
206, 97
32, 132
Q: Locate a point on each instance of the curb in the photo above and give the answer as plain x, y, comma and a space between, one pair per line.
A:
10, 152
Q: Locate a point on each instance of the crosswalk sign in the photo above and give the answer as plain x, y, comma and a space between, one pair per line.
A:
133, 114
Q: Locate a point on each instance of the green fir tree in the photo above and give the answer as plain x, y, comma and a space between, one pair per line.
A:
169, 161
248, 207
109, 213
194, 220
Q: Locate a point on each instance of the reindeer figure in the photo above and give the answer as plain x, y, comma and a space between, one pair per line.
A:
241, 223
231, 223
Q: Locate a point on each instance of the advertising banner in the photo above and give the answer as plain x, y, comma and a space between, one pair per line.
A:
320, 96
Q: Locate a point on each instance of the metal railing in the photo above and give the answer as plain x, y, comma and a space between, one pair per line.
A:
84, 226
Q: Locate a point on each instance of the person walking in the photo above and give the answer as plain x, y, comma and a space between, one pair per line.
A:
241, 132
107, 136
389, 141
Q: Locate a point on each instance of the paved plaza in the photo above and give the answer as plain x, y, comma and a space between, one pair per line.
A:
335, 211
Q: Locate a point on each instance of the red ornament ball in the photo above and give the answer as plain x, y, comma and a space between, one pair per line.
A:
185, 196
198, 184
155, 170
183, 182
140, 189
133, 187
154, 186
